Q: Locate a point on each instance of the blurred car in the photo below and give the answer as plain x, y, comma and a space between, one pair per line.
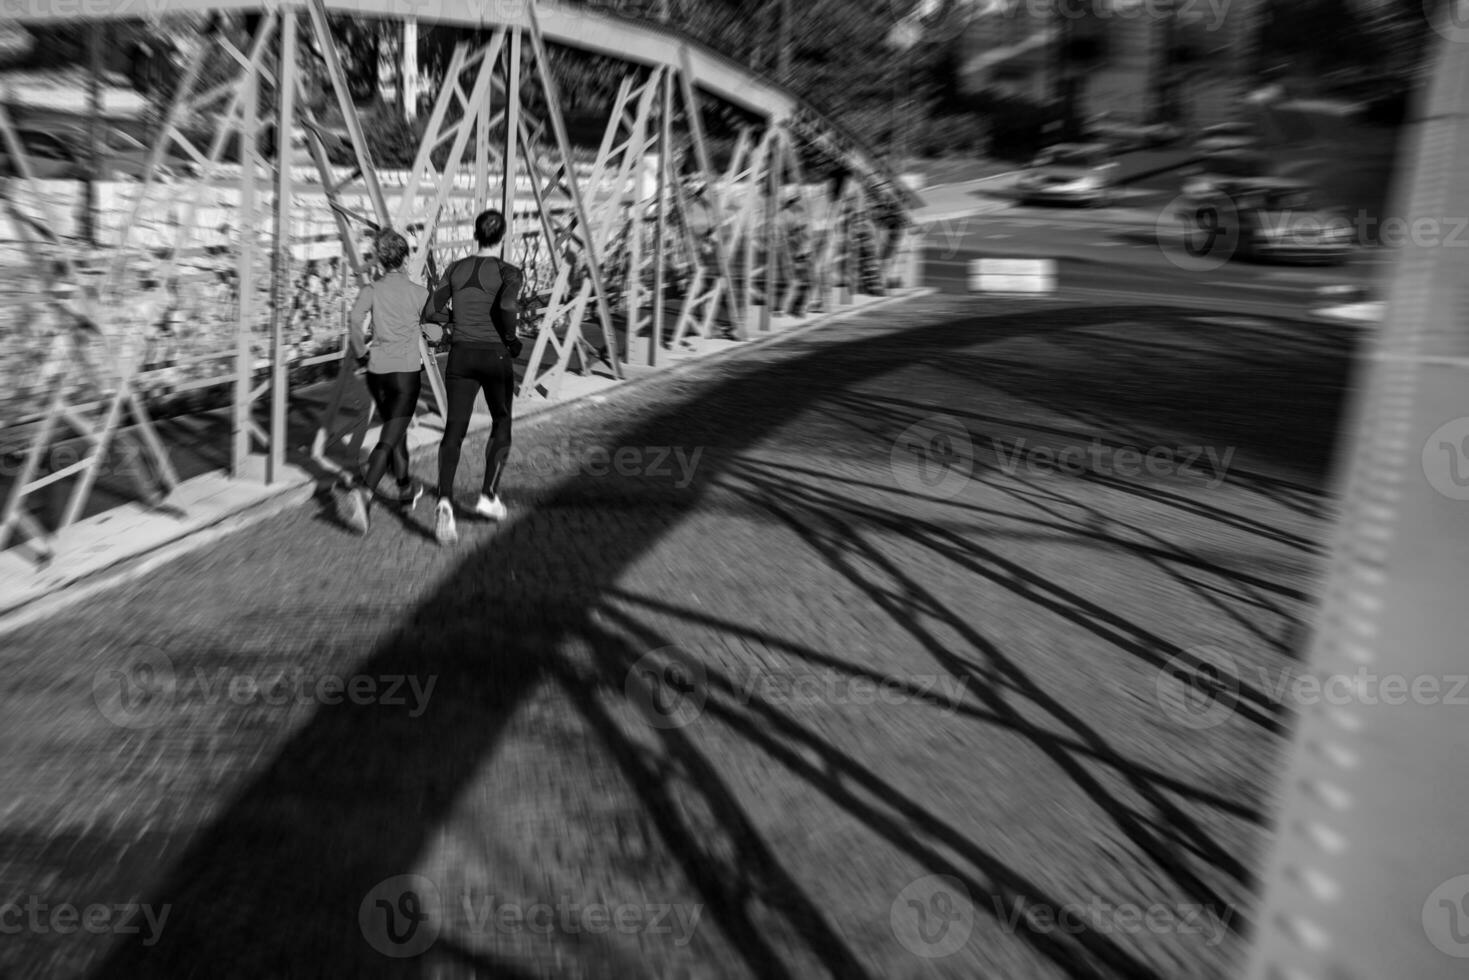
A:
1277, 220
1217, 172
1070, 173
1125, 134
1224, 137
60, 153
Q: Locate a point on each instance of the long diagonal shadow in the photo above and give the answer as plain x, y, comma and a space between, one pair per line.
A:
273, 886
1161, 554
897, 820
971, 558
836, 540
916, 693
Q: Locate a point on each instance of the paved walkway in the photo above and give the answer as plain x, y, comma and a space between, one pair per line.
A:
805, 662
118, 532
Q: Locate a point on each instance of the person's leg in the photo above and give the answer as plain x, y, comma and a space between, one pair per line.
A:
379, 386
354, 491
460, 389
398, 458
499, 386
397, 396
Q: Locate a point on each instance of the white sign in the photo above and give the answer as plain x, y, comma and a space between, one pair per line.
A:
1012, 275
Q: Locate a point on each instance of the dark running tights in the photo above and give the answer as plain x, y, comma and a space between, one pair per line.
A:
396, 396
470, 371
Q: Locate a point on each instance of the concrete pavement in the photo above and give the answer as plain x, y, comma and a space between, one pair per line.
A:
849, 656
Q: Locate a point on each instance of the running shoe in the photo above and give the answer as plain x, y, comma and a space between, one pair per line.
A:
408, 498
490, 508
352, 508
444, 529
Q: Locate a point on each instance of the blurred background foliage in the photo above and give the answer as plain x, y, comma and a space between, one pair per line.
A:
840, 58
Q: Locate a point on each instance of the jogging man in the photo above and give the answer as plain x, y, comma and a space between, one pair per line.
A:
485, 294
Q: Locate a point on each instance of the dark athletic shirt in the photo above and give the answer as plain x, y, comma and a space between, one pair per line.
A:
486, 294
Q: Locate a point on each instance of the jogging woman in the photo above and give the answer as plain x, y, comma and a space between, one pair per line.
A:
485, 293
393, 374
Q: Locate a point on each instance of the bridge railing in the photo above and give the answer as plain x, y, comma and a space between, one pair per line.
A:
239, 278
1369, 875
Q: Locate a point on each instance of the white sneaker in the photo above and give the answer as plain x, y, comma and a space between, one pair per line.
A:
490, 508
352, 508
407, 499
444, 529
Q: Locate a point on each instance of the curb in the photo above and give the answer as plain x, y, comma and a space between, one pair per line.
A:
1247, 307
300, 491
131, 567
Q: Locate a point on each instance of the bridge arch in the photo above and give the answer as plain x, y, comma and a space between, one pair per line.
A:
626, 258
